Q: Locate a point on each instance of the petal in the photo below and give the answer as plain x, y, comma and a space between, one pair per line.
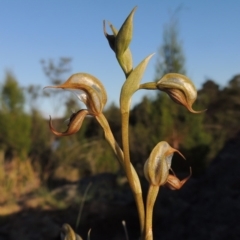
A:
156, 168
174, 183
180, 89
68, 233
80, 94
95, 96
74, 125
111, 38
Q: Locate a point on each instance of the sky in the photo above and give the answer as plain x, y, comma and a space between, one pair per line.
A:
35, 30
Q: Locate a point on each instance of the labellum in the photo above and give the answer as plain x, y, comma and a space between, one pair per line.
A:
74, 125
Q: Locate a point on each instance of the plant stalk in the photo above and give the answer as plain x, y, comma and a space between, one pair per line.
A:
135, 183
151, 198
127, 166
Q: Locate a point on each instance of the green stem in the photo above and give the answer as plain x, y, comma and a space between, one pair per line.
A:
110, 138
151, 198
129, 170
148, 86
127, 165
126, 151
140, 208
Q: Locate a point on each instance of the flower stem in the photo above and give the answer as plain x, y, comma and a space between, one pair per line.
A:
129, 170
151, 198
110, 138
148, 86
136, 188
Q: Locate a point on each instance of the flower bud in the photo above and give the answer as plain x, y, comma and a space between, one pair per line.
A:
156, 168
68, 234
124, 35
125, 59
180, 89
111, 38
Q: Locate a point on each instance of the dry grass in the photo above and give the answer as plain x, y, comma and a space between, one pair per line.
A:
16, 178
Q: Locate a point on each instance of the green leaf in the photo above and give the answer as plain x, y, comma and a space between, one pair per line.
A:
125, 61
132, 84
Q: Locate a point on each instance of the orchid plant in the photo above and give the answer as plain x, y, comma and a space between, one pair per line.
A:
91, 92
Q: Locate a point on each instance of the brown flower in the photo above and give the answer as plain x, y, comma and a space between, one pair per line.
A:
180, 89
90, 91
74, 124
156, 168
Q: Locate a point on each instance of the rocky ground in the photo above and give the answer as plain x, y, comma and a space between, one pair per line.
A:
205, 208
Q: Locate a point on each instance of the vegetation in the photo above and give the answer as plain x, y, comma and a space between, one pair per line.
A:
158, 166
30, 156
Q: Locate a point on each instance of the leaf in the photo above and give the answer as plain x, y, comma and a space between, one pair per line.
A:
132, 84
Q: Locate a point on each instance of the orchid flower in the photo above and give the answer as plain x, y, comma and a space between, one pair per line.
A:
91, 92
180, 89
156, 171
67, 233
156, 168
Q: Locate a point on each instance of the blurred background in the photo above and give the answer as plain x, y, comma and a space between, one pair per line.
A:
43, 178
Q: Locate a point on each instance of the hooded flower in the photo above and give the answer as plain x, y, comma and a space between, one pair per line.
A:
156, 168
180, 89
90, 91
68, 234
